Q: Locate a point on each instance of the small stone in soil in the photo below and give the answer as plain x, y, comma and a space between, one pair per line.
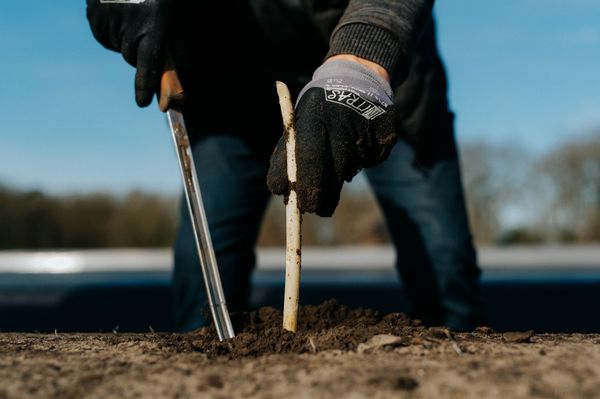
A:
381, 341
485, 330
518, 337
406, 383
437, 332
215, 381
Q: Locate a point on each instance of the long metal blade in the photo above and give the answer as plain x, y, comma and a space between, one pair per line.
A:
208, 262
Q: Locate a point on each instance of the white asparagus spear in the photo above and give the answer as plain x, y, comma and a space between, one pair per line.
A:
293, 217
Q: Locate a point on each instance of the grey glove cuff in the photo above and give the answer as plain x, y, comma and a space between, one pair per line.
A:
342, 74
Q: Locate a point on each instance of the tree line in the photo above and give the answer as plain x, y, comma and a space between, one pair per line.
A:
518, 197
33, 220
513, 197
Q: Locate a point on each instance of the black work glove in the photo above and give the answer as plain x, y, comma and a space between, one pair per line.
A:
345, 121
137, 29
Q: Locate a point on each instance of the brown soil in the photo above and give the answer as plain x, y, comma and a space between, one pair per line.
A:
334, 355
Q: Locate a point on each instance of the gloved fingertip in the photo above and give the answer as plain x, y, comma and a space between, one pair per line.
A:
143, 98
277, 180
277, 184
327, 208
325, 212
321, 199
306, 206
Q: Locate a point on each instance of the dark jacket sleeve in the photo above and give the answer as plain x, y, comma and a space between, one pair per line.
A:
383, 31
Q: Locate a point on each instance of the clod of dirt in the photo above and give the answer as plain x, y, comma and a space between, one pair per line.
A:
437, 332
484, 330
518, 337
393, 381
215, 381
406, 383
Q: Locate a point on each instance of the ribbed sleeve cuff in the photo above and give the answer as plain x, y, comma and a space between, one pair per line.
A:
369, 42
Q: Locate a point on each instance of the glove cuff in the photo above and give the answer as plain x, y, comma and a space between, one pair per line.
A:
343, 73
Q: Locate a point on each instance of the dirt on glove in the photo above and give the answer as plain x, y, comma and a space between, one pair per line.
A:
336, 353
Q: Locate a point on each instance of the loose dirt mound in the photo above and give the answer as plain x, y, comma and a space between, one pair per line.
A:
323, 327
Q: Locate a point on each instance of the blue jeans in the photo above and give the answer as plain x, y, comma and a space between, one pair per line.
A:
425, 214
428, 224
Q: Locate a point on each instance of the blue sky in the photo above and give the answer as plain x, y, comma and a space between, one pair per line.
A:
521, 71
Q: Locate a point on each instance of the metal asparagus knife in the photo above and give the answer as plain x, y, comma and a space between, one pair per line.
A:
170, 101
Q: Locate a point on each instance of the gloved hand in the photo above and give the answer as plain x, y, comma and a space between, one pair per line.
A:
345, 121
137, 29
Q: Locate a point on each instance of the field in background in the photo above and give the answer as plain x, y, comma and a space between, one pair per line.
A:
513, 197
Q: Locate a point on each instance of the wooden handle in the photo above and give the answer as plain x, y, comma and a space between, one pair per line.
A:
171, 90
